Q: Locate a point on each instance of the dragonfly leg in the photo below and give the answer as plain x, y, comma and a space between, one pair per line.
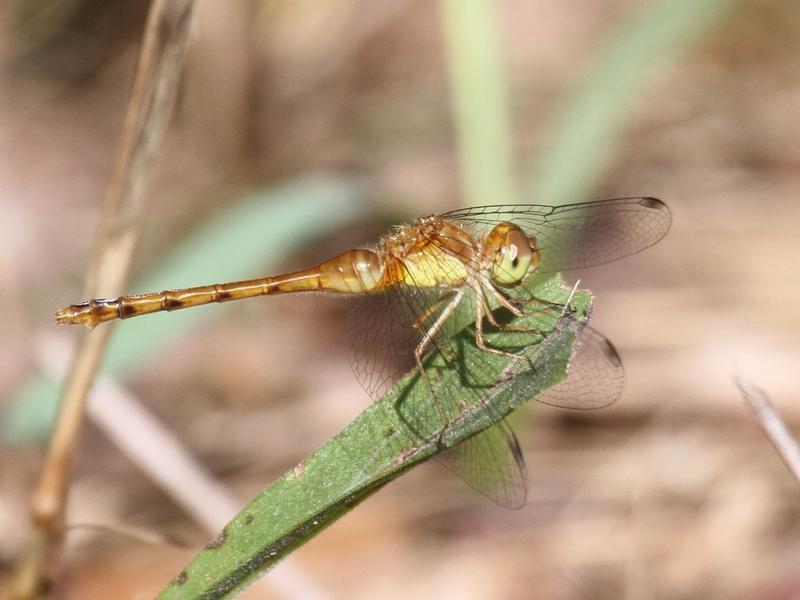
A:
504, 301
425, 342
481, 311
545, 306
489, 315
487, 311
516, 310
419, 322
501, 298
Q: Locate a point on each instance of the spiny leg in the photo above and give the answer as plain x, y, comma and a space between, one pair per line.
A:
481, 310
426, 340
419, 321
507, 303
504, 301
516, 329
566, 307
548, 306
487, 309
501, 298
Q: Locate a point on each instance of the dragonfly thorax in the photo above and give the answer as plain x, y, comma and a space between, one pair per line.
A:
433, 252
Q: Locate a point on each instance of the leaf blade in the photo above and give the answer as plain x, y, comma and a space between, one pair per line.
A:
378, 446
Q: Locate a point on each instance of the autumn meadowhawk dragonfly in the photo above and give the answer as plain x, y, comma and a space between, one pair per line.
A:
424, 281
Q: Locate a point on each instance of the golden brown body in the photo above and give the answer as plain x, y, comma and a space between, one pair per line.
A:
408, 255
482, 253
443, 251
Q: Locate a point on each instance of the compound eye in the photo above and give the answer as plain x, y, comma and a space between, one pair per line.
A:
513, 260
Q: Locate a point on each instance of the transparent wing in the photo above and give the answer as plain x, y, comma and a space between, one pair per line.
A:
383, 338
491, 462
384, 330
595, 376
579, 235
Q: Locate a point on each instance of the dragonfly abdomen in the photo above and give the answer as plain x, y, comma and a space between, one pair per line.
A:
354, 272
96, 311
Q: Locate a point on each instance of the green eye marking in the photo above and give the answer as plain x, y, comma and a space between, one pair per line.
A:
512, 263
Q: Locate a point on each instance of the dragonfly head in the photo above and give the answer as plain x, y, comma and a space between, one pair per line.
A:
514, 255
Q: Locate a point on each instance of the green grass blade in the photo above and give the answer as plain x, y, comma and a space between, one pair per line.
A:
247, 240
479, 95
394, 434
593, 120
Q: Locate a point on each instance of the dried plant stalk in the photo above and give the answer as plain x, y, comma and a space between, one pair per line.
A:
772, 424
161, 57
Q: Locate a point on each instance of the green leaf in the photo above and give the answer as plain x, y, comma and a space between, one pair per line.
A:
401, 430
479, 96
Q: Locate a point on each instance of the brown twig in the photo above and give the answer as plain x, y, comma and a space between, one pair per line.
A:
164, 459
152, 96
772, 424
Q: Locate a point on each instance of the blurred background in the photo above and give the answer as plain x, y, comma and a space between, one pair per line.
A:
305, 128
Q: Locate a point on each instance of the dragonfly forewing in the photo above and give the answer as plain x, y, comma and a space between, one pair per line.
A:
575, 236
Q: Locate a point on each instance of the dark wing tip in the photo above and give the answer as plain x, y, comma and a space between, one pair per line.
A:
609, 351
658, 206
654, 203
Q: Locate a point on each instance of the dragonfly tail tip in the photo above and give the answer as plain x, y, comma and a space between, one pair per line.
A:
67, 316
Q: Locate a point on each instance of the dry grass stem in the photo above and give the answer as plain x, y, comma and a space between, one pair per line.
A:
150, 103
772, 424
166, 461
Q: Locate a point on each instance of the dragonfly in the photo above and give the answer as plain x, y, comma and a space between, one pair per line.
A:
410, 293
